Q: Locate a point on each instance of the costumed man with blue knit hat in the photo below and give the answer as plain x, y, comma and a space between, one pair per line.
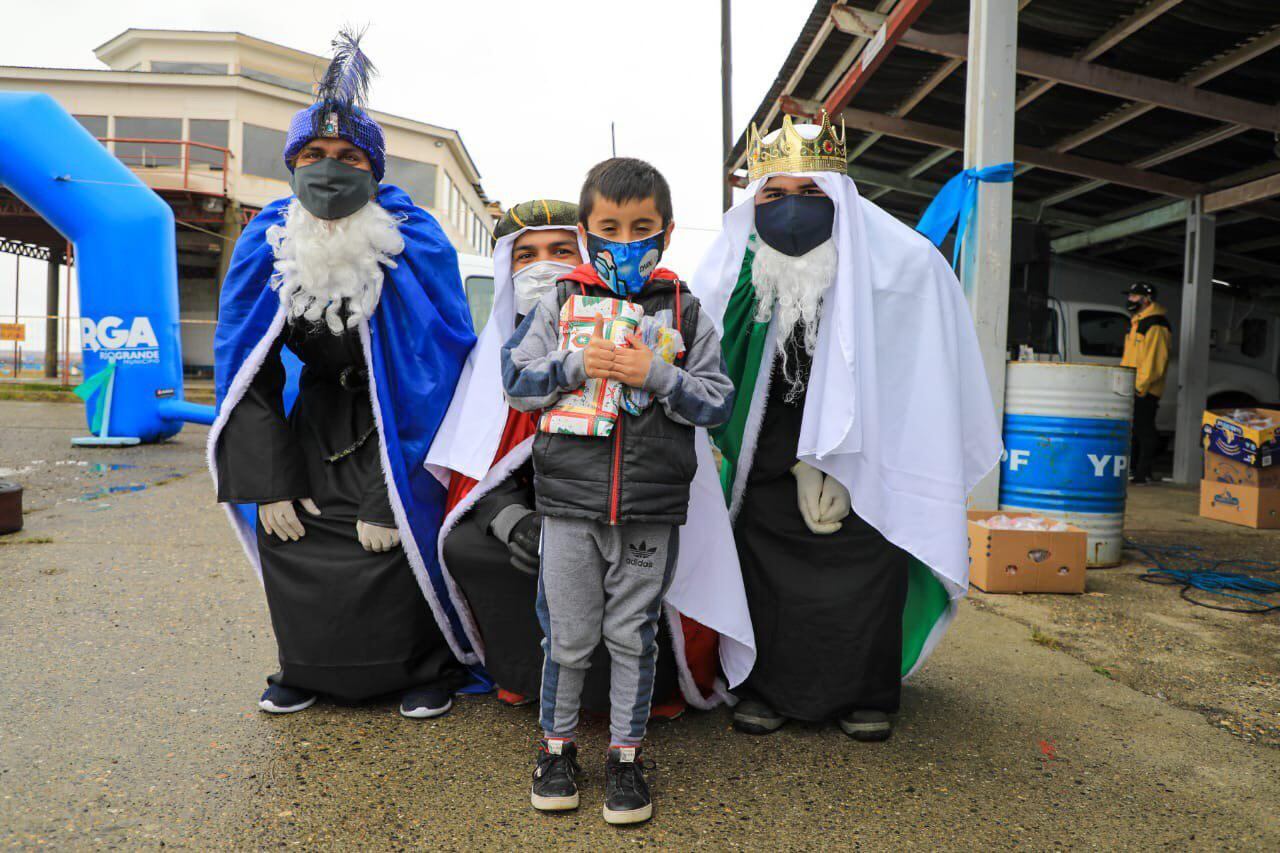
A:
321, 469
862, 421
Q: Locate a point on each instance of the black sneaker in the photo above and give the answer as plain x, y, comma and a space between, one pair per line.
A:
867, 725
423, 702
626, 794
555, 785
278, 699
756, 718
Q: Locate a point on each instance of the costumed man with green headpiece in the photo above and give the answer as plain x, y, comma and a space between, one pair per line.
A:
342, 330
862, 421
491, 535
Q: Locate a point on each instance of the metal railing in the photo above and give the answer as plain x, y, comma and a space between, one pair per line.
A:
171, 156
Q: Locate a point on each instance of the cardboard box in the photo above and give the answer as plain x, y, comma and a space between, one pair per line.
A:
1025, 560
1226, 436
1220, 469
1233, 503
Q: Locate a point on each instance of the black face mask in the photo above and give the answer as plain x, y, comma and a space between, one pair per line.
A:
329, 189
1134, 306
796, 224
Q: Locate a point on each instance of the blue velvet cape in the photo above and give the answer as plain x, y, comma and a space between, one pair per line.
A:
420, 334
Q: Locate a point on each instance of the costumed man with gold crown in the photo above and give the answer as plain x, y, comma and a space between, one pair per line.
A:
862, 421
342, 330
491, 536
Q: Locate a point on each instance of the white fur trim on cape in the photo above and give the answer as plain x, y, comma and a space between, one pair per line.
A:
407, 540
935, 636
755, 419
235, 393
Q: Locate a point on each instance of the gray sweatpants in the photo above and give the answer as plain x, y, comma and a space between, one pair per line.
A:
596, 581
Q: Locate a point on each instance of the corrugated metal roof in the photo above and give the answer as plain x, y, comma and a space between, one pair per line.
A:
1174, 46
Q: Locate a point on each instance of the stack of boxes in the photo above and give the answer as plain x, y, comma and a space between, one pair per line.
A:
1242, 467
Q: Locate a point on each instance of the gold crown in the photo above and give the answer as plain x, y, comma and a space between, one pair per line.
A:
791, 152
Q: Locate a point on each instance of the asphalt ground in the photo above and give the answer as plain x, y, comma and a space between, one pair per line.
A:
135, 639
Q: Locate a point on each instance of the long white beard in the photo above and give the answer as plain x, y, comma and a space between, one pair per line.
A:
792, 290
322, 264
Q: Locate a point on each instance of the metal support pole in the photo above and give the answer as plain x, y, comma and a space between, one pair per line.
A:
17, 291
988, 141
726, 99
51, 300
231, 228
1193, 343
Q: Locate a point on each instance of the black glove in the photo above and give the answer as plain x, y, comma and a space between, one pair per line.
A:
524, 542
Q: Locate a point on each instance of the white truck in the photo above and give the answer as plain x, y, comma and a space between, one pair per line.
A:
477, 281
1090, 323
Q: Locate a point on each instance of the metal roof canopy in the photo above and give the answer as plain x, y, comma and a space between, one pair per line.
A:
1126, 111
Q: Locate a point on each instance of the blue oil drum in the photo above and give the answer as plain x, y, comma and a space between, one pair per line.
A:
1066, 437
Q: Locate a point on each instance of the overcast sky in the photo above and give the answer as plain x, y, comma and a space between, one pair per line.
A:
531, 86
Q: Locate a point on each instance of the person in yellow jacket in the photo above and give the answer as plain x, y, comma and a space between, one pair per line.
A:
1146, 349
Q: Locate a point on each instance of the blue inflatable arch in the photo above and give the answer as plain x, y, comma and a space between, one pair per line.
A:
125, 257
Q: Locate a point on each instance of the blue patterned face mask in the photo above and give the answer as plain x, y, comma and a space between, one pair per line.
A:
625, 267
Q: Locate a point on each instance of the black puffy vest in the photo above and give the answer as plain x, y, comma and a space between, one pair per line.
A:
640, 473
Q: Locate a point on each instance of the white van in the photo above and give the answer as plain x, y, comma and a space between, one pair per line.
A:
477, 280
1086, 302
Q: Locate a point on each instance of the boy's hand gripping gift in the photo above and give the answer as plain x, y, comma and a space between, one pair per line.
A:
593, 409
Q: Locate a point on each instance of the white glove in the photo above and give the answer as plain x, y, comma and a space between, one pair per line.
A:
835, 504
376, 538
809, 488
281, 519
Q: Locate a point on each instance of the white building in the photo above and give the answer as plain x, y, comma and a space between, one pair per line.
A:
201, 117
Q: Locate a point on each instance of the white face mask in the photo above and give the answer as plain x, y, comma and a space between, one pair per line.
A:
535, 280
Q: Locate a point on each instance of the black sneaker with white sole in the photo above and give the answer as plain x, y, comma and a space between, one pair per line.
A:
421, 703
555, 780
626, 793
867, 725
756, 718
279, 699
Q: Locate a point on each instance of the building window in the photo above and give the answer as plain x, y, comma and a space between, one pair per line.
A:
149, 154
447, 209
210, 132
417, 179
188, 67
275, 80
96, 125
264, 153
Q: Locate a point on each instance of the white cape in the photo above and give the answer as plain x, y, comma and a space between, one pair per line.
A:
707, 586
898, 409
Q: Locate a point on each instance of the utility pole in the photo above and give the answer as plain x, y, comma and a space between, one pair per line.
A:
726, 102
988, 141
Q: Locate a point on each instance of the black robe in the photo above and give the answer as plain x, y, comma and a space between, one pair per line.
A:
502, 602
827, 610
349, 623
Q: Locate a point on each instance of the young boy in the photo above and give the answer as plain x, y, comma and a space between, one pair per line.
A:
612, 505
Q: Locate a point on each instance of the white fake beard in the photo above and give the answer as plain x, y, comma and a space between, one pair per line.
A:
793, 288
322, 264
